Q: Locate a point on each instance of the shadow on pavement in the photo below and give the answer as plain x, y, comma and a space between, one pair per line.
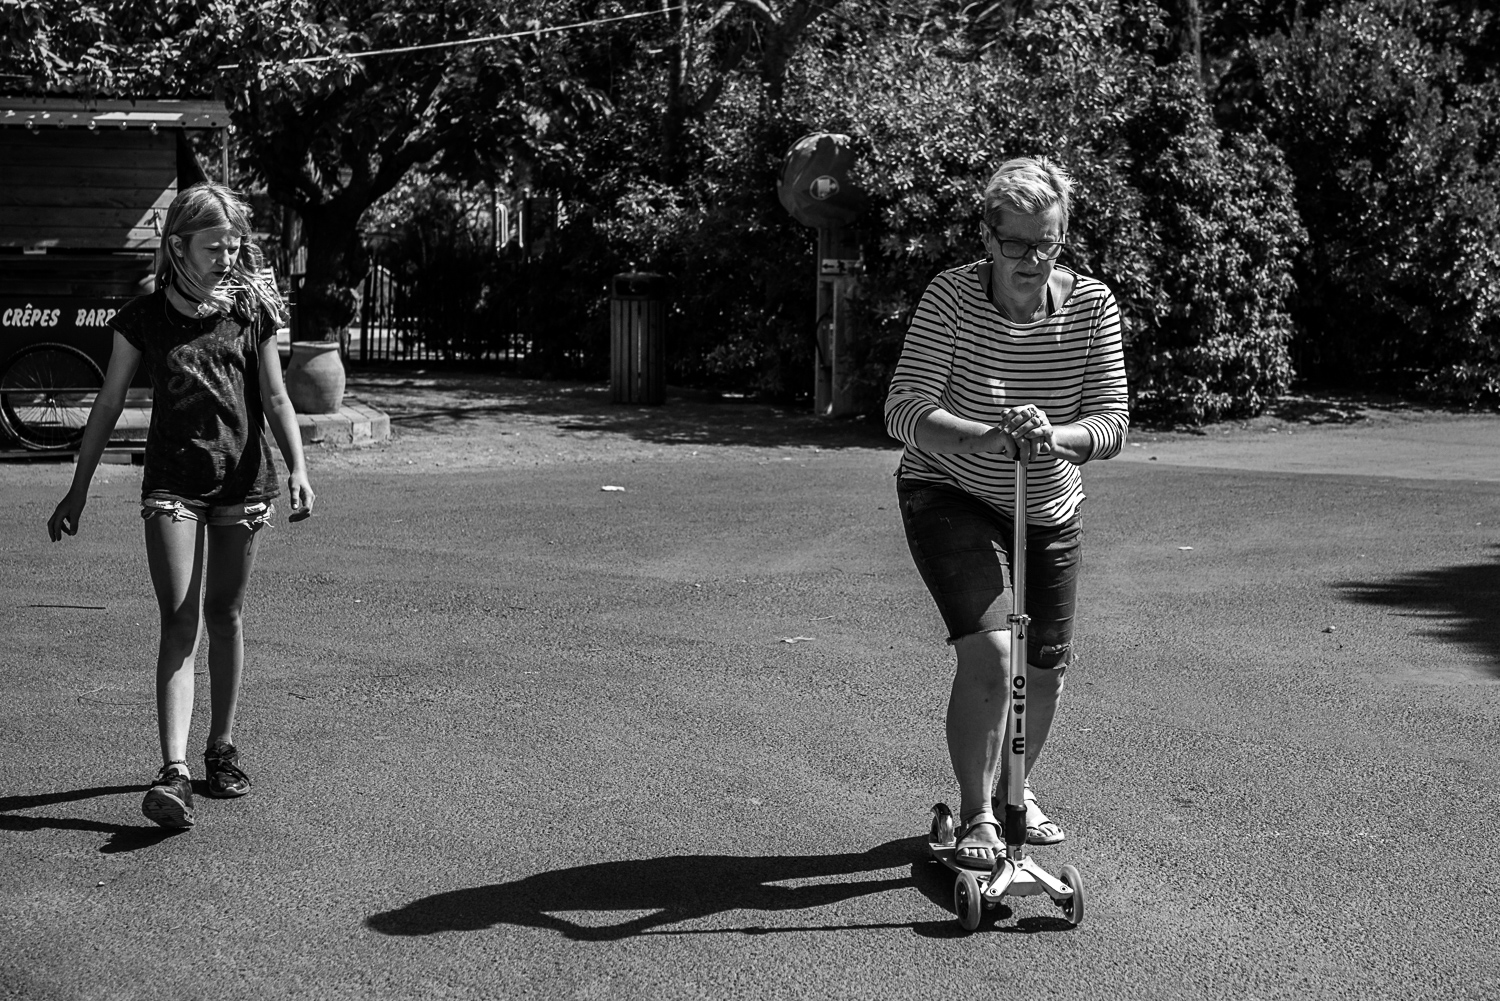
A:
684, 888
122, 837
432, 402
1459, 602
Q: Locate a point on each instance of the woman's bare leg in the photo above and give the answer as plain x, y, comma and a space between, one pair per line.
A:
976, 716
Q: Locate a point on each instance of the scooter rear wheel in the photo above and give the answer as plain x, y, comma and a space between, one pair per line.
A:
942, 825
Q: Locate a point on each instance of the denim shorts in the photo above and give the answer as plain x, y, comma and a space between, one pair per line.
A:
961, 546
253, 516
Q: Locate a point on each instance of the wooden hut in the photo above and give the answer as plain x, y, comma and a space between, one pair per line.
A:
84, 187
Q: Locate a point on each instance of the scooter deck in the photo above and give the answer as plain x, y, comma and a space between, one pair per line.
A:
1026, 878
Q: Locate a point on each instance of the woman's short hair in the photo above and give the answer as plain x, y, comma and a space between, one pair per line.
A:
1028, 184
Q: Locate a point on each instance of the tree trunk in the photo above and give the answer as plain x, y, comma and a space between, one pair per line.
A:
336, 261
1186, 21
675, 119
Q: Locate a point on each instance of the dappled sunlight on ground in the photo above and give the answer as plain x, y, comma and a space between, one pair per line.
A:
469, 419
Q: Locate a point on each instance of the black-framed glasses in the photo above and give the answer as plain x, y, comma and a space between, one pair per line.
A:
1047, 250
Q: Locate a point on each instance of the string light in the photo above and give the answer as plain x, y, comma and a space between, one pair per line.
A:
304, 60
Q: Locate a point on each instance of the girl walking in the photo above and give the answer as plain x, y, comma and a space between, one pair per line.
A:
207, 336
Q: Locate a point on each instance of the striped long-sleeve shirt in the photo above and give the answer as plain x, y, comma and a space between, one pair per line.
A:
963, 356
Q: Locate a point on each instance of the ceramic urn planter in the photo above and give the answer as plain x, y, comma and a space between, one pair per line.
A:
315, 377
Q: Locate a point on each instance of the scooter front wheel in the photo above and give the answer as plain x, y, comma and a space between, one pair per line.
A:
1072, 908
968, 902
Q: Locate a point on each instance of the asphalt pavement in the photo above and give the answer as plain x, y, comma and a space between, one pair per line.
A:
514, 735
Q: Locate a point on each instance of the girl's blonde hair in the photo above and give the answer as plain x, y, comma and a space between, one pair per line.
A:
1029, 185
249, 287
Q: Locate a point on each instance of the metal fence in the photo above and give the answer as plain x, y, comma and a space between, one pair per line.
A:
465, 308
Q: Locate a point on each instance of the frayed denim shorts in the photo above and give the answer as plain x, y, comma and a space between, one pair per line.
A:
253, 516
961, 546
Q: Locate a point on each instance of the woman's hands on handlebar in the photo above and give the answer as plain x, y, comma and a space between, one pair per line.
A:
1025, 426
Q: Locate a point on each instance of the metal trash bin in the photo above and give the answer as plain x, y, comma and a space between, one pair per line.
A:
637, 335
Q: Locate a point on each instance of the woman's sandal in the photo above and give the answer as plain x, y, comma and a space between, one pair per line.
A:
1040, 830
979, 819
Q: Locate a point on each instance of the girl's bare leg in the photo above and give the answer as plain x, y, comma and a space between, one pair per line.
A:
174, 554
231, 554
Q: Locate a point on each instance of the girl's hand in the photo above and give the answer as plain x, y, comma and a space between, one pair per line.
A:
300, 493
65, 518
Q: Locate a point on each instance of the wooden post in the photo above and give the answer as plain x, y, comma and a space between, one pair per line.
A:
837, 279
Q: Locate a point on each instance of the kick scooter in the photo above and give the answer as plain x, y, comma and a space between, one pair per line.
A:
1013, 874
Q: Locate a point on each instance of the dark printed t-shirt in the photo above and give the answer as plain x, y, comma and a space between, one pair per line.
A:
208, 440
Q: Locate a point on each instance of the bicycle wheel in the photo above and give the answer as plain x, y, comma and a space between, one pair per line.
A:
46, 391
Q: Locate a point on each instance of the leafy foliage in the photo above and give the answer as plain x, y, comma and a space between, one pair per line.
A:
1393, 139
1223, 231
1193, 230
1356, 138
325, 131
436, 240
680, 179
740, 272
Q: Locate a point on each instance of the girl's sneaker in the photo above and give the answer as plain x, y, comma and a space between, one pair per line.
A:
169, 801
222, 763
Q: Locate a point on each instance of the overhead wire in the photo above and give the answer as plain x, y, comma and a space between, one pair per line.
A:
457, 43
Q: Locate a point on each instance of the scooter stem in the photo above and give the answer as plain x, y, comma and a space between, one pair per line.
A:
1015, 721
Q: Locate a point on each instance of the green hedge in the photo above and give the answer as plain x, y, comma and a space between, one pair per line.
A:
1193, 230
1392, 134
